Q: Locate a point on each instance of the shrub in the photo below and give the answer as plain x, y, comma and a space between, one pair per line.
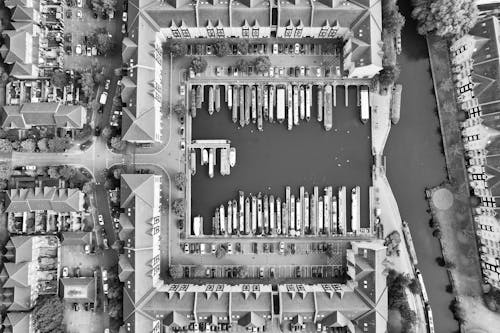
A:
242, 46
222, 48
388, 75
180, 180
48, 314
176, 48
437, 233
175, 271
199, 65
415, 286
178, 207
262, 64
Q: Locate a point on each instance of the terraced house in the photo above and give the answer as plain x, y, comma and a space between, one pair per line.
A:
476, 65
355, 25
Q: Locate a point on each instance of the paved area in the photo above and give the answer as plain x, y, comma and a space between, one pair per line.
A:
442, 199
83, 321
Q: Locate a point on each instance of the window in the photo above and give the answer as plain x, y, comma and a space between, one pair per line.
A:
176, 33
246, 32
255, 32
323, 32
220, 32
298, 32
332, 33
185, 33
288, 32
211, 32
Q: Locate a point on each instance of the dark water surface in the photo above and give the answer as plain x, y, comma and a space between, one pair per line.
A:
270, 160
414, 161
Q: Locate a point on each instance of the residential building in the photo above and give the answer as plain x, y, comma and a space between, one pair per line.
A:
18, 322
357, 305
475, 59
34, 40
29, 115
78, 289
30, 269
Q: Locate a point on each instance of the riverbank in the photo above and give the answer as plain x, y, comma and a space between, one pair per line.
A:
455, 221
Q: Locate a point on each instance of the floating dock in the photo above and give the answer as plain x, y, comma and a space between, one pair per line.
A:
225, 168
243, 105
278, 216
320, 103
328, 108
355, 208
342, 210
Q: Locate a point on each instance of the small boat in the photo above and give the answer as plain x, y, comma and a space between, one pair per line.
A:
229, 96
296, 103
254, 104
211, 100
302, 97
217, 98
230, 217
248, 102
266, 105
320, 103
204, 156
234, 98
235, 217
245, 227
193, 102
193, 162
232, 156
308, 102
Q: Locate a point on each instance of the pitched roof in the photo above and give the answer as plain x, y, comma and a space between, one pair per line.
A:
78, 289
251, 320
63, 200
42, 114
18, 274
23, 248
76, 238
19, 321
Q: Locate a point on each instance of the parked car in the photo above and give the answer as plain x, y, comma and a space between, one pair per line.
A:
275, 48
105, 288
302, 71
296, 49
97, 131
218, 70
116, 223
298, 272
297, 71
77, 272
182, 90
261, 272
124, 16
86, 248
105, 243
272, 273
229, 248
209, 49
214, 249
104, 275
103, 98
94, 50
85, 145
76, 306
79, 14
101, 219
107, 84
89, 51
203, 248
78, 49
186, 248
65, 271
282, 248
255, 248
124, 28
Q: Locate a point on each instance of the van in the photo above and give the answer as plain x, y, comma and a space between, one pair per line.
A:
104, 98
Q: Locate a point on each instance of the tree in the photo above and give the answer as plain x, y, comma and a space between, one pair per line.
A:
59, 79
115, 291
176, 48
106, 132
241, 65
88, 84
117, 172
222, 48
388, 75
199, 64
241, 272
437, 233
67, 172
117, 143
330, 253
3, 184
179, 207
175, 271
180, 224
5, 145
180, 180
393, 21
48, 314
88, 187
242, 46
115, 308
5, 170
109, 5
53, 172
415, 287
28, 145
220, 252
16, 144
179, 109
104, 43
57, 144
440, 261
449, 264
445, 18
262, 64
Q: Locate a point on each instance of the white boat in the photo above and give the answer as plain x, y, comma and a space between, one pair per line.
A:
302, 97
298, 213
232, 157
266, 215
243, 105
296, 103
229, 96
292, 215
355, 209
335, 221
278, 216
197, 225
193, 162
320, 103
254, 215
260, 225
341, 213
235, 217
230, 217
204, 156
211, 102
272, 216
321, 226
222, 217
326, 212
245, 227
211, 162
308, 102
271, 102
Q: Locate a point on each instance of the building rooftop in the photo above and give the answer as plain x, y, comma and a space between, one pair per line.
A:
27, 115
61, 200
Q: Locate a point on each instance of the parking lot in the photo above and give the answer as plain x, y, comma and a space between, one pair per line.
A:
84, 321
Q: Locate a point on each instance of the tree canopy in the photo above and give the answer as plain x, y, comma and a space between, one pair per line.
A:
222, 48
59, 79
262, 64
48, 314
199, 64
446, 18
176, 48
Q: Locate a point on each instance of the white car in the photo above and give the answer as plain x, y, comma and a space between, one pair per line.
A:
105, 288
202, 248
65, 272
104, 98
302, 71
101, 219
229, 248
94, 50
106, 84
104, 275
186, 248
78, 49
86, 248
214, 249
296, 49
79, 3
182, 90
271, 71
124, 16
282, 247
89, 51
31, 167
79, 14
318, 71
275, 48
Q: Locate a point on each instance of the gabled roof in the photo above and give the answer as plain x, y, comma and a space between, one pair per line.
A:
78, 289
18, 275
42, 114
175, 319
76, 237
23, 248
19, 321
63, 200
252, 320
22, 13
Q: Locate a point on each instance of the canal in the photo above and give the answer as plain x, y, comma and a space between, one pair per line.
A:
415, 161
270, 160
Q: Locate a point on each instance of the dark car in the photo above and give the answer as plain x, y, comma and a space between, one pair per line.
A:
266, 247
186, 272
230, 71
298, 272
292, 250
255, 248
97, 131
291, 71
86, 145
297, 71
69, 13
96, 15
